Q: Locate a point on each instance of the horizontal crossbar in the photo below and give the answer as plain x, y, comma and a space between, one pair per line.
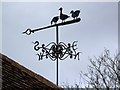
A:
28, 31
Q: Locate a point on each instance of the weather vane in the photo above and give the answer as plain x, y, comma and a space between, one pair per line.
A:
59, 50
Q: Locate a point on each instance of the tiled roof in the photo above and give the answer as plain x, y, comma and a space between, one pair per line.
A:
17, 77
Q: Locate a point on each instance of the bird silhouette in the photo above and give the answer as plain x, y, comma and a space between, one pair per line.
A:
75, 14
55, 19
63, 17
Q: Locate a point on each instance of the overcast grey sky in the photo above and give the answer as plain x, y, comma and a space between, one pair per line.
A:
97, 30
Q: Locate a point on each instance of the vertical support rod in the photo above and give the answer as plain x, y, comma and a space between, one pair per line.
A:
57, 41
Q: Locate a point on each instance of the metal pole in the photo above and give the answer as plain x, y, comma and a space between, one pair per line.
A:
57, 41
29, 31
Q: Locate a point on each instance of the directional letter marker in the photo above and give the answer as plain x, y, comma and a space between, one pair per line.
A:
55, 51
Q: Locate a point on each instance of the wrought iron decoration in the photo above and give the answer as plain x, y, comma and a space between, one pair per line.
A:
54, 51
59, 50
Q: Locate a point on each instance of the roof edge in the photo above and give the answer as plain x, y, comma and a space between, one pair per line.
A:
29, 72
